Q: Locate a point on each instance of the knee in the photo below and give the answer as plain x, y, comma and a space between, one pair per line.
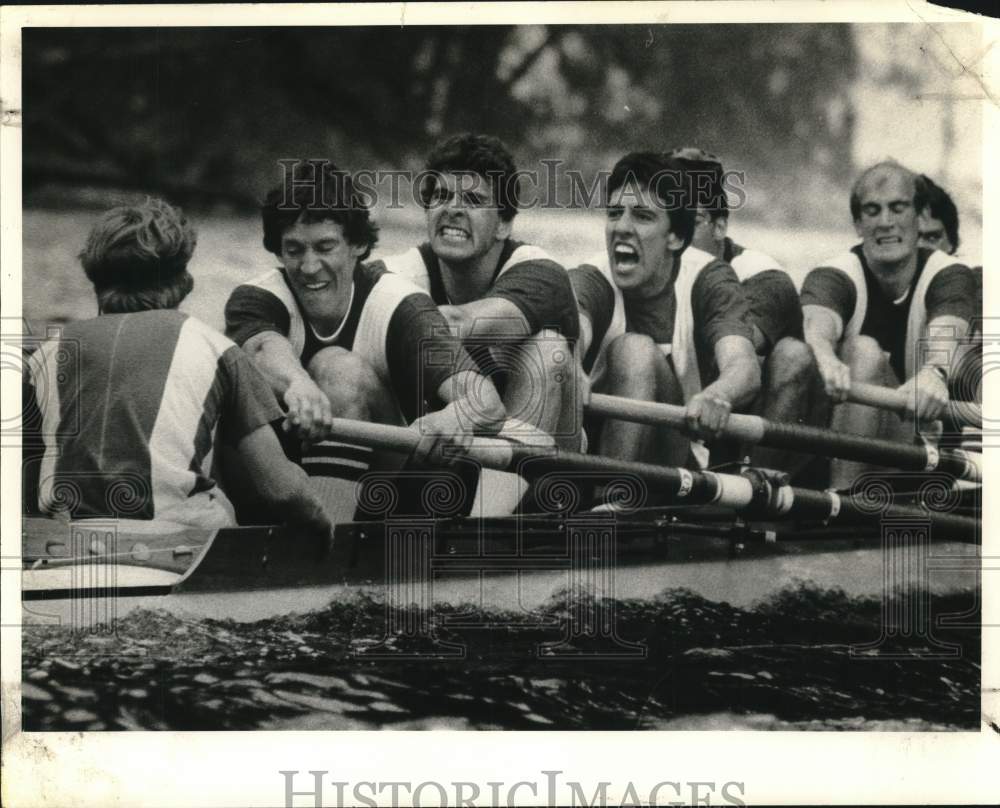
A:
637, 368
865, 357
351, 384
633, 353
790, 362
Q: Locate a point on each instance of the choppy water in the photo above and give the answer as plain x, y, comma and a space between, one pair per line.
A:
785, 664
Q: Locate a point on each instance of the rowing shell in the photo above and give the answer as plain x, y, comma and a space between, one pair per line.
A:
88, 571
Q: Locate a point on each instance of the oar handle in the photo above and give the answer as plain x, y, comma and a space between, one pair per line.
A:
682, 487
887, 398
740, 427
798, 438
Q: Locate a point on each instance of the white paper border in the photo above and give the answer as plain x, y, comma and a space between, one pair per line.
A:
226, 769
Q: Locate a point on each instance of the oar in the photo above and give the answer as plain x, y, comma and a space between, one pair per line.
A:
798, 438
968, 413
752, 493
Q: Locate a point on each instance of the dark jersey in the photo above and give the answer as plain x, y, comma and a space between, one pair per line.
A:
771, 293
390, 323
525, 275
848, 287
703, 303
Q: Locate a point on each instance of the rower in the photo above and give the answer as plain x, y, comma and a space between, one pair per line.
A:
336, 337
787, 366
659, 318
127, 424
868, 310
510, 302
938, 230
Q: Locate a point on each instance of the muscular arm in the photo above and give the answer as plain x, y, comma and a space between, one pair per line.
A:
945, 333
823, 329
280, 483
274, 356
475, 398
309, 410
739, 372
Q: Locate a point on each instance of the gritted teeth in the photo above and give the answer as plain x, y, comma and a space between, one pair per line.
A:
454, 232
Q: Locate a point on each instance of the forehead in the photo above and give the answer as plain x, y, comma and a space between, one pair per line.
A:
322, 230
636, 195
464, 181
884, 185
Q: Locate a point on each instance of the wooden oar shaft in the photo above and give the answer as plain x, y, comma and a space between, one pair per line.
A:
887, 398
680, 486
798, 438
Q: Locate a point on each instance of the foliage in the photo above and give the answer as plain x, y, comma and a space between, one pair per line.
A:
206, 112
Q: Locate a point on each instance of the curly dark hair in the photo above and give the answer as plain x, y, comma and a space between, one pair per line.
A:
317, 191
940, 205
669, 178
706, 173
136, 257
482, 155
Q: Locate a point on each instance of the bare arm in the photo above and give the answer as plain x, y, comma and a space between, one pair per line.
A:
583, 345
274, 356
308, 407
708, 411
280, 483
473, 407
739, 372
928, 389
823, 329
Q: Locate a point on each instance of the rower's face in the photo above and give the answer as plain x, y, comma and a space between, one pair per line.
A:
709, 233
639, 240
319, 263
463, 221
933, 236
888, 220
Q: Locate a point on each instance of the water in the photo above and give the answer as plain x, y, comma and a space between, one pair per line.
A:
784, 664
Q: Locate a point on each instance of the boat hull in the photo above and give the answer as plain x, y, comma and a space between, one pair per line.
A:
90, 572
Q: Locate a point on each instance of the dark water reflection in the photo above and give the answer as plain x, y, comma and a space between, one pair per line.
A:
785, 664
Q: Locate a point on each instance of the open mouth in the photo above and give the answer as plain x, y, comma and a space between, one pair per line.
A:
456, 234
886, 241
625, 256
317, 286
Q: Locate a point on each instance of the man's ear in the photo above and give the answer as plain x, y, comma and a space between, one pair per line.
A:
720, 227
357, 250
857, 228
504, 229
674, 242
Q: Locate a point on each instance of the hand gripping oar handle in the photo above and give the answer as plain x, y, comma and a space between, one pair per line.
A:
798, 438
886, 398
745, 493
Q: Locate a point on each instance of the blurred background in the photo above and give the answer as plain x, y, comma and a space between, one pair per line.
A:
201, 116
